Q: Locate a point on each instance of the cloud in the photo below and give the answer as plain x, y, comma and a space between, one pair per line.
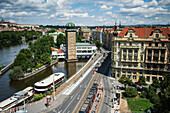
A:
42, 14
164, 3
12, 21
104, 7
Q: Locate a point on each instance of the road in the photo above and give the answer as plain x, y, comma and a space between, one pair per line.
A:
105, 107
70, 103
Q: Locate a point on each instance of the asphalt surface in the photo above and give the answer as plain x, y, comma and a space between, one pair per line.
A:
104, 70
70, 103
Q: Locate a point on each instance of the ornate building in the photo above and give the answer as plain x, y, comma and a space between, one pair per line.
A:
141, 51
71, 42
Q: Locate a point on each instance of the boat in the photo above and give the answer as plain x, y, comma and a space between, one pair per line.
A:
47, 83
17, 99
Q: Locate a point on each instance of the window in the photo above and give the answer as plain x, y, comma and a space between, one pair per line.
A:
142, 44
140, 72
124, 57
150, 44
141, 50
141, 58
163, 44
130, 51
125, 43
130, 35
157, 35
130, 57
117, 75
130, 65
124, 71
141, 65
119, 43
129, 76
134, 77
118, 63
136, 44
83, 47
135, 58
156, 44
130, 43
134, 72
89, 47
135, 65
78, 47
124, 64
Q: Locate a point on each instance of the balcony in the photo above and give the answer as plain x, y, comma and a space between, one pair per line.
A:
152, 47
129, 47
156, 54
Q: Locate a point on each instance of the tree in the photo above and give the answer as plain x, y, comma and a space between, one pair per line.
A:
98, 44
126, 81
130, 92
16, 73
155, 83
164, 95
142, 80
61, 39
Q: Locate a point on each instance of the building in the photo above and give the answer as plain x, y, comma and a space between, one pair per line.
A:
98, 34
141, 51
71, 42
83, 50
85, 32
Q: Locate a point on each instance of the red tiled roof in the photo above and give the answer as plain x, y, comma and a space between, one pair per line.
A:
141, 31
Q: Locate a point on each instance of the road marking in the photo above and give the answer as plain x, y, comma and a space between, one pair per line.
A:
78, 97
54, 111
68, 112
71, 102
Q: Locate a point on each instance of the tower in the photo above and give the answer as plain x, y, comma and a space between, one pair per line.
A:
71, 42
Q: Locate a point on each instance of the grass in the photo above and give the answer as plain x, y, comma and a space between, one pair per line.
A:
135, 104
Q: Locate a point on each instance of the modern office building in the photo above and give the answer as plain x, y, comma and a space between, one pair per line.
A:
141, 51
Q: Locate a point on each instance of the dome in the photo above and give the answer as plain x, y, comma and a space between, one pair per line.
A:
70, 25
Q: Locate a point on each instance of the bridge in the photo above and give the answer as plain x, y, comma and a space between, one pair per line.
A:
6, 68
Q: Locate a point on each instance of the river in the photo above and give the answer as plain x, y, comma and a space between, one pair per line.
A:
8, 87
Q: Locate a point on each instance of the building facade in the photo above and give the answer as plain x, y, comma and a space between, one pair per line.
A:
85, 32
140, 52
71, 42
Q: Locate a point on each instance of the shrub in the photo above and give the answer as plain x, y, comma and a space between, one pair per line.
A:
130, 92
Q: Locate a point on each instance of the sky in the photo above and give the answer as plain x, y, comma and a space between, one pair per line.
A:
86, 12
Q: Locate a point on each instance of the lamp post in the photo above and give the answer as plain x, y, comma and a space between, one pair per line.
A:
53, 87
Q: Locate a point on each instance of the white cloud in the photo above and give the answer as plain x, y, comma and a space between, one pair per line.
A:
42, 14
104, 7
12, 21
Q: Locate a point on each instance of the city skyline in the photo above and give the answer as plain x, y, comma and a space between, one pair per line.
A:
85, 12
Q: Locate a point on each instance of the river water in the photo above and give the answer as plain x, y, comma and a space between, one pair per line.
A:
8, 87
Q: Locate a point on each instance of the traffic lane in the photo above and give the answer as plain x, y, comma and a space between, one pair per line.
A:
106, 102
77, 98
72, 97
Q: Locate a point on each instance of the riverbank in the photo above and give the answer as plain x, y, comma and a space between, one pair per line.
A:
34, 72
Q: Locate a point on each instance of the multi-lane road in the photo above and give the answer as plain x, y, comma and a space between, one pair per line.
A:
71, 102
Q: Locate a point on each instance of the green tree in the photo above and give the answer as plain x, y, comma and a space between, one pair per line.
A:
155, 83
61, 39
142, 80
164, 95
98, 44
16, 73
130, 92
126, 81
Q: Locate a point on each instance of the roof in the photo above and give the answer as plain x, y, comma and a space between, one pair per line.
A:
47, 81
7, 101
84, 44
21, 93
145, 32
